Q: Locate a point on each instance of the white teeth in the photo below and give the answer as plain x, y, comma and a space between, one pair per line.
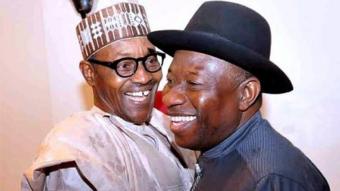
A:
182, 118
138, 94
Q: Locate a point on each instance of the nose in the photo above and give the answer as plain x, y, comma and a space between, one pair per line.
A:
141, 76
173, 96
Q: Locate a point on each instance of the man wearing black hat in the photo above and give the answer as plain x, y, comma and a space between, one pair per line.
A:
220, 69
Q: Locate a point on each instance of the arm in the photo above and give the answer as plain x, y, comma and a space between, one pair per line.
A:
59, 177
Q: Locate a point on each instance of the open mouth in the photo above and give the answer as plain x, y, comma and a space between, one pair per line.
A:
180, 123
138, 96
181, 119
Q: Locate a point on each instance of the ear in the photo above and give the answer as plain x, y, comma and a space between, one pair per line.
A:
88, 71
250, 89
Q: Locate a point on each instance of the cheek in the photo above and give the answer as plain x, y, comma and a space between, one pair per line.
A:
206, 103
114, 87
107, 78
111, 88
216, 110
207, 112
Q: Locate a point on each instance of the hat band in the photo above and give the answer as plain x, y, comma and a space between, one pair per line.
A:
119, 21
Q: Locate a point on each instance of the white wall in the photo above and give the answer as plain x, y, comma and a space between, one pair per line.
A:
41, 84
25, 105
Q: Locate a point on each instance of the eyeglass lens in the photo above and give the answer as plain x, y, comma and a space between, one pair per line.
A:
129, 66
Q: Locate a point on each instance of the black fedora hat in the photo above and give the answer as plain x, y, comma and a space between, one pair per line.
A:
231, 32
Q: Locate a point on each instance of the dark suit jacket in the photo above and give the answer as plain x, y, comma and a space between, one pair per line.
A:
257, 158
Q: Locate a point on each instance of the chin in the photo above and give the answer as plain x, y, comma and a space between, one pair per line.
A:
140, 119
183, 142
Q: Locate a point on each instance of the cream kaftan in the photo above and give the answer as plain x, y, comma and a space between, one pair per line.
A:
94, 150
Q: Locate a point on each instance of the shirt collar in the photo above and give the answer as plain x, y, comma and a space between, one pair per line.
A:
158, 120
228, 144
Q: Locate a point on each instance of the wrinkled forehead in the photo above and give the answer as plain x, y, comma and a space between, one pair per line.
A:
131, 47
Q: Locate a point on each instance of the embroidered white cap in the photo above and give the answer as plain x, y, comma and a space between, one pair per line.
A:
109, 21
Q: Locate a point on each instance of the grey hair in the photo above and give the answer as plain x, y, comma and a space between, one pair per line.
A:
237, 74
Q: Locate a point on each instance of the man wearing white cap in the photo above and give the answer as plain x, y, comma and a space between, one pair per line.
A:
121, 143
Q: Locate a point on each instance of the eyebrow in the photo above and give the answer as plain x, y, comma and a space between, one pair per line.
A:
189, 73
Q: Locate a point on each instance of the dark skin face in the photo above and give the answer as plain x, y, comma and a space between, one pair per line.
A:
205, 102
130, 98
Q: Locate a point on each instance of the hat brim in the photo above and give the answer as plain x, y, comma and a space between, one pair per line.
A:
273, 79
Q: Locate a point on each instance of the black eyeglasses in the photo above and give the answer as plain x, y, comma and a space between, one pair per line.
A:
126, 67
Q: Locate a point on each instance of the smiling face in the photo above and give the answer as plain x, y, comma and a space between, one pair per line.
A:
203, 99
130, 98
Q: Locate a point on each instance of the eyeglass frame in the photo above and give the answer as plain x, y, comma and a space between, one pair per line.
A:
113, 64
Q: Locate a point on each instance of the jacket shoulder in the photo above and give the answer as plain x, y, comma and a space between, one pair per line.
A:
267, 152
